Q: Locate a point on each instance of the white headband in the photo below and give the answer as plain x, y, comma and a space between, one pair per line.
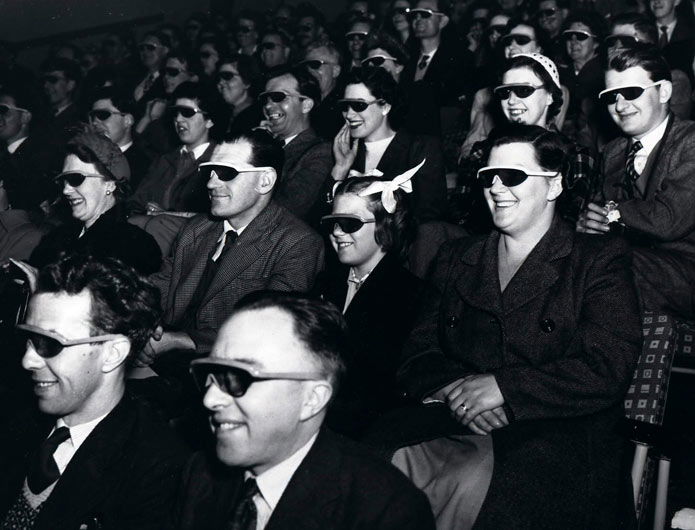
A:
388, 188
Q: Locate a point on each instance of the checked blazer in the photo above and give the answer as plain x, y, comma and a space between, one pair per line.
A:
275, 251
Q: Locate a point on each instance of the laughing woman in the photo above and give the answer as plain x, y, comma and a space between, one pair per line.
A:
531, 342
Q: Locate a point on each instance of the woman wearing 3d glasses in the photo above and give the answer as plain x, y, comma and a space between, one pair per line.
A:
370, 230
371, 142
530, 342
94, 182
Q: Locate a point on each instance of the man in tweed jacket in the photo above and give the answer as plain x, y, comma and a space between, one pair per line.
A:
211, 268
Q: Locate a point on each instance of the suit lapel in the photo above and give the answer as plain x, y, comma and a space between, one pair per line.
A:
296, 148
391, 163
656, 160
376, 281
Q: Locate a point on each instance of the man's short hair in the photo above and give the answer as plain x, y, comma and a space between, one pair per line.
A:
25, 97
307, 9
162, 37
266, 150
307, 85
120, 98
284, 37
71, 69
319, 325
647, 58
249, 71
331, 48
388, 43
642, 24
122, 301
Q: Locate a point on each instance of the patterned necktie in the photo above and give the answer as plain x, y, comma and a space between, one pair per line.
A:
630, 162
663, 36
246, 514
45, 471
423, 62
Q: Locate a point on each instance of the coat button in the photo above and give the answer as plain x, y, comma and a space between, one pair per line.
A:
452, 321
547, 325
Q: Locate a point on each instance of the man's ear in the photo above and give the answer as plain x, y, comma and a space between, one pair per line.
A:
71, 85
665, 91
266, 181
307, 105
443, 21
116, 353
209, 123
26, 117
316, 398
336, 71
129, 120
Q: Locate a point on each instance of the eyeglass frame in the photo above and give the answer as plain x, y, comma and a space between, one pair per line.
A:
253, 169
64, 341
618, 88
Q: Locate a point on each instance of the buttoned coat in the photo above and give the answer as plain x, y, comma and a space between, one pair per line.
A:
562, 341
275, 251
124, 475
338, 486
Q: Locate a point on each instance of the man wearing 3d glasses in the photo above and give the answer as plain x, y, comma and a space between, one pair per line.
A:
266, 395
648, 181
95, 457
250, 243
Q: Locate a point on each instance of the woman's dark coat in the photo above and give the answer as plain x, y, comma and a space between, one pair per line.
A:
561, 341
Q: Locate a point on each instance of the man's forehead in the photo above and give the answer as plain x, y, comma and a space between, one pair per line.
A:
239, 152
428, 4
320, 53
625, 29
106, 104
60, 311
283, 82
272, 38
547, 4
8, 100
635, 74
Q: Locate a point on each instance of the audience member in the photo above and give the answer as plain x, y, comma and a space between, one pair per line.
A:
286, 471
287, 103
355, 38
61, 79
551, 15
238, 82
275, 49
210, 52
250, 243
153, 48
247, 33
95, 456
371, 141
386, 52
323, 60
676, 40
648, 181
397, 22
311, 26
509, 344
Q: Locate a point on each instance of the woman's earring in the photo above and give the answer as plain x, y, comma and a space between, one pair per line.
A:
108, 192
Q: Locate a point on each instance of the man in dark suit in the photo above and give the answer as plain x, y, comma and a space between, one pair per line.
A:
276, 468
250, 244
648, 181
439, 77
308, 158
675, 35
94, 457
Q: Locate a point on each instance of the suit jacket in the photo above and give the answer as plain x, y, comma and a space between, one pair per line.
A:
561, 341
307, 169
139, 162
428, 200
665, 218
680, 50
380, 317
338, 485
275, 251
124, 475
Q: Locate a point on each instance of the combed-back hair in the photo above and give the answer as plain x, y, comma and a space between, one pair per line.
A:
642, 24
647, 57
266, 150
122, 301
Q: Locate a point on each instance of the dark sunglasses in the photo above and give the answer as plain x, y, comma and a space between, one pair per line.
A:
52, 79
205, 55
225, 76
75, 178
172, 72
102, 114
504, 92
148, 46
581, 36
520, 40
305, 28
629, 93
414, 14
314, 64
226, 173
509, 175
276, 97
344, 105
48, 344
234, 378
547, 12
399, 11
269, 45
348, 223
624, 41
497, 28
244, 29
186, 112
4, 109
356, 35
377, 60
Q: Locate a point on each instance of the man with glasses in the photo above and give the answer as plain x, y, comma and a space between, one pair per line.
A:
61, 78
440, 76
287, 103
551, 16
323, 60
95, 456
248, 243
648, 182
310, 26
675, 35
153, 49
275, 50
246, 33
266, 395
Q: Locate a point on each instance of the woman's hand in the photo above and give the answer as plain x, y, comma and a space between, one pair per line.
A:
344, 152
473, 396
31, 273
152, 208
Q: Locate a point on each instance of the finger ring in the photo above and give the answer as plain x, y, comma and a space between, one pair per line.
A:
464, 407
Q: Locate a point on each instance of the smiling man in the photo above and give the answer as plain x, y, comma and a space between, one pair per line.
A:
648, 181
250, 243
95, 457
280, 469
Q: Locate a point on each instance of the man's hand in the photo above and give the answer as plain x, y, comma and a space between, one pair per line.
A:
473, 396
593, 220
162, 342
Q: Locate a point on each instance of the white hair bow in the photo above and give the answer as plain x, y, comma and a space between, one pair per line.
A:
388, 188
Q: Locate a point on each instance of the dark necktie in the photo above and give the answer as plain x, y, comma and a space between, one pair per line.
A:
206, 279
630, 162
423, 62
663, 36
246, 515
45, 471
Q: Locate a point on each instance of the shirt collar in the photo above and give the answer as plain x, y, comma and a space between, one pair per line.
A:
79, 433
653, 137
290, 138
273, 482
429, 54
197, 151
13, 146
228, 227
125, 147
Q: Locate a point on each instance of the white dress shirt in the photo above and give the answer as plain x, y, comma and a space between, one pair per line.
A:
78, 434
649, 142
13, 146
197, 151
